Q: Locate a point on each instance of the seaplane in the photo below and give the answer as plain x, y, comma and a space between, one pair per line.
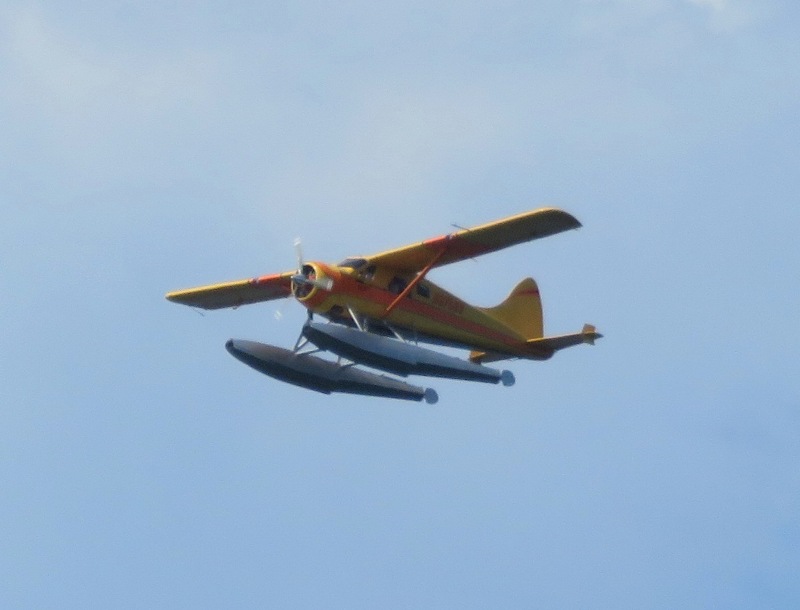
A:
379, 308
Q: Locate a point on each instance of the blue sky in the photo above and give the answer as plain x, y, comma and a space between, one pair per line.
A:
145, 148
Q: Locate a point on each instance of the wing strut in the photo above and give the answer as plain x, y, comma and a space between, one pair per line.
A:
417, 279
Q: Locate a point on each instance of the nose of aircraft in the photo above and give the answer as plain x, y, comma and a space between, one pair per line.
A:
310, 277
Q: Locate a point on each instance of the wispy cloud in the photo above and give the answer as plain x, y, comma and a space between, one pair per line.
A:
53, 76
727, 15
617, 15
717, 5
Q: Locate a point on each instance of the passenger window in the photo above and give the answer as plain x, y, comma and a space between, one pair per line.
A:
397, 285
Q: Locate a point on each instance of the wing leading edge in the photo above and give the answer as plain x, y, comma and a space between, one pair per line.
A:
469, 243
234, 294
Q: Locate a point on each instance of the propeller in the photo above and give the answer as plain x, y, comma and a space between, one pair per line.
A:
325, 284
304, 272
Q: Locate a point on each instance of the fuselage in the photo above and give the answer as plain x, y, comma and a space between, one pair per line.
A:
426, 312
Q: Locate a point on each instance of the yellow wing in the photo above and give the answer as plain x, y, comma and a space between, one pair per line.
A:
469, 243
233, 294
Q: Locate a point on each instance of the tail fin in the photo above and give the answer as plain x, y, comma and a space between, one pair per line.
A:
522, 310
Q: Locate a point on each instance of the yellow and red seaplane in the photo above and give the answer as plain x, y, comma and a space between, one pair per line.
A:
380, 307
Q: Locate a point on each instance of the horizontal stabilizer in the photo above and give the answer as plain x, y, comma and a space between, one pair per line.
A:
543, 347
548, 345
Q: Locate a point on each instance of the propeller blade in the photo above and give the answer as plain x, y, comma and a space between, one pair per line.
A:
298, 248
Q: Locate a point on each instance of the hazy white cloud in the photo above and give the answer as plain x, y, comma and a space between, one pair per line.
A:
727, 15
621, 15
717, 5
53, 76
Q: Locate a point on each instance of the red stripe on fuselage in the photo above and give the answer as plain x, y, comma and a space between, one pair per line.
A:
439, 315
346, 286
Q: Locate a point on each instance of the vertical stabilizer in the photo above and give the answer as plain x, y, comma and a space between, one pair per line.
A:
522, 310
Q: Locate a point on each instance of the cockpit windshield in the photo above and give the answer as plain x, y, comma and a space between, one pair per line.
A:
353, 263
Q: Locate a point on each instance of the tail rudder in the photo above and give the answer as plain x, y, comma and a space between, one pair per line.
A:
521, 311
